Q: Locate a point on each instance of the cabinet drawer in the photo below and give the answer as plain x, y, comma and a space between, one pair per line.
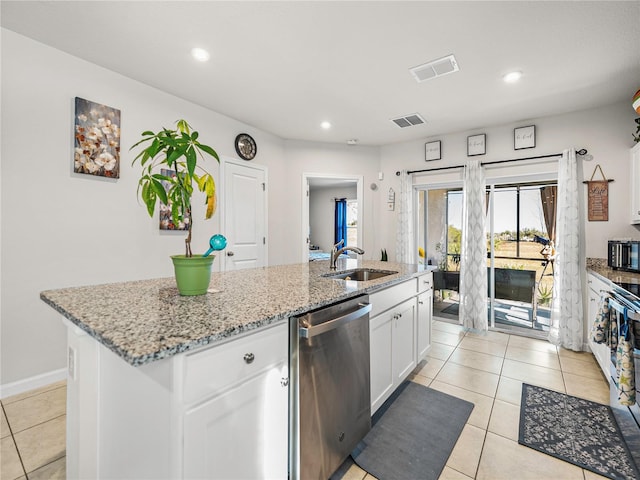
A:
425, 282
597, 285
387, 298
216, 368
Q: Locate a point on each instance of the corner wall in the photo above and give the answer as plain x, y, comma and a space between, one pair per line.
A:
63, 229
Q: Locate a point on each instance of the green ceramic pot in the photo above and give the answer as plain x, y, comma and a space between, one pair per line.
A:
193, 274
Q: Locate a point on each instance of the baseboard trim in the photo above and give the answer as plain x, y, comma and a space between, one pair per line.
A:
31, 383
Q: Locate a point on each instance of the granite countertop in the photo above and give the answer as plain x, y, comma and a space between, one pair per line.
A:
616, 276
147, 320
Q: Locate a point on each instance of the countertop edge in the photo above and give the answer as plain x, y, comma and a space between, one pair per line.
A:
223, 335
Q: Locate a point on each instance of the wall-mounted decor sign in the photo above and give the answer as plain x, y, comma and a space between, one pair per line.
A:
524, 137
476, 145
97, 139
432, 151
166, 219
391, 200
598, 197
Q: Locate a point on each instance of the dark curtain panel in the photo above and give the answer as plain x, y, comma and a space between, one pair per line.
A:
341, 221
548, 195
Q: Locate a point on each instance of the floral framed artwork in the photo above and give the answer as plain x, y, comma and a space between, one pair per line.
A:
476, 145
524, 137
165, 218
96, 139
432, 151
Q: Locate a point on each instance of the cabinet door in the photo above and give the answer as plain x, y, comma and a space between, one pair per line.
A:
635, 184
600, 350
425, 313
242, 433
380, 329
404, 340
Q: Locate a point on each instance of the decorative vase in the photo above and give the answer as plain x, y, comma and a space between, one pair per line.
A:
193, 274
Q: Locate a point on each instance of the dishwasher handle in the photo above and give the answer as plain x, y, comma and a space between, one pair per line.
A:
308, 332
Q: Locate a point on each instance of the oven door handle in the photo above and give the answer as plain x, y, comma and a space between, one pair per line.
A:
309, 332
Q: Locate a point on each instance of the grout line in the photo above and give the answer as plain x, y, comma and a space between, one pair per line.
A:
13, 438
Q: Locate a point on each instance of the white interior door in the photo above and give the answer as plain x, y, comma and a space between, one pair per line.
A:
244, 215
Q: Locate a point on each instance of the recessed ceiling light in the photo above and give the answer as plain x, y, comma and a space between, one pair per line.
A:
200, 54
325, 125
512, 77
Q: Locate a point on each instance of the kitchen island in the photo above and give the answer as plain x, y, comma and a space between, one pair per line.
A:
157, 382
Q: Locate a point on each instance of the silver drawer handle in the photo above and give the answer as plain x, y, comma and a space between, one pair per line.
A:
249, 357
420, 302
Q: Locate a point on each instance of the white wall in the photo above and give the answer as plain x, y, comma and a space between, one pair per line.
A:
322, 214
63, 229
605, 132
330, 160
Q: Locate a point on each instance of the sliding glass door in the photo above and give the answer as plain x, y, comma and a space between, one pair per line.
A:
519, 262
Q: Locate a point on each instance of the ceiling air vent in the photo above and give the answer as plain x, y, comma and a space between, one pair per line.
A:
436, 68
408, 120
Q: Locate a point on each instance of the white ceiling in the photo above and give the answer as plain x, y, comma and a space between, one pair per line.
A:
284, 67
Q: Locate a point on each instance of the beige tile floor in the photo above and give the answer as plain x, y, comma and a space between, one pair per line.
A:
33, 434
487, 370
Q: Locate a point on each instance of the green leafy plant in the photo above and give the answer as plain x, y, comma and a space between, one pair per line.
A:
178, 150
544, 295
636, 136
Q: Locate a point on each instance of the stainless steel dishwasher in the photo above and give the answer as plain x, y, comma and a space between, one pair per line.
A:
330, 394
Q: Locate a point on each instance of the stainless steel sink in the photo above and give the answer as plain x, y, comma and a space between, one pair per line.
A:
359, 274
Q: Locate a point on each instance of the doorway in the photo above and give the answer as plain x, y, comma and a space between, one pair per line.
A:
319, 192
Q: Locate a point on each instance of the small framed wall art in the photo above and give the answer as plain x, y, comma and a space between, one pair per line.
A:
432, 151
524, 137
96, 139
476, 145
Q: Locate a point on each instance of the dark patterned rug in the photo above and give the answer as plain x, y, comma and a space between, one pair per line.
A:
574, 430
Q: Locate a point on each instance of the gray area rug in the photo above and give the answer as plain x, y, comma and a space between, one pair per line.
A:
412, 434
574, 430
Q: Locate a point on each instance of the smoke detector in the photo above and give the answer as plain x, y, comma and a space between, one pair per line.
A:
435, 68
408, 120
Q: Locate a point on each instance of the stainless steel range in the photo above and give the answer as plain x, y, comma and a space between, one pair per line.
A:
625, 302
330, 393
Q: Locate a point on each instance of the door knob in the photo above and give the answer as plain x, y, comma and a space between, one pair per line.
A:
230, 254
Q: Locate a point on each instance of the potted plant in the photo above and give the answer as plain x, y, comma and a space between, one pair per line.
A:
178, 150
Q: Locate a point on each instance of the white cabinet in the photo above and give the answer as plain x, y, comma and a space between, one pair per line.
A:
380, 341
635, 184
220, 412
600, 350
239, 434
424, 315
399, 334
392, 342
403, 340
241, 431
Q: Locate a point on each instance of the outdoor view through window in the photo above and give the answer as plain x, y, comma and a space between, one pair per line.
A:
522, 278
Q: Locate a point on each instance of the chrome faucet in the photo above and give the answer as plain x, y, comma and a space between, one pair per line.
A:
335, 253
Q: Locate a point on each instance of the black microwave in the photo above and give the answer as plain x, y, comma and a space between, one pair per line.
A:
624, 255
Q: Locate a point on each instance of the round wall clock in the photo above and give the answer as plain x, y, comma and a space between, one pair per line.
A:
246, 146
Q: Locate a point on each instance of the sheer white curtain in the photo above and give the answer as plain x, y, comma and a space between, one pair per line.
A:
473, 260
566, 313
404, 235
